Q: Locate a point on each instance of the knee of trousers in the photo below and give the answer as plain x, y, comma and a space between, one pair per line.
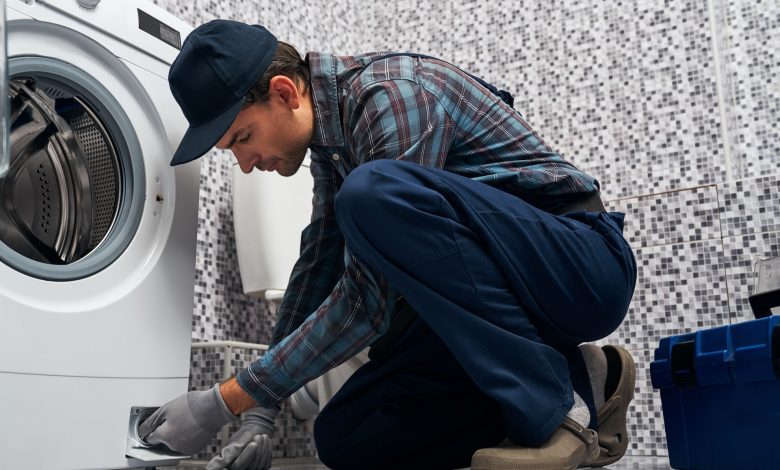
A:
365, 199
332, 448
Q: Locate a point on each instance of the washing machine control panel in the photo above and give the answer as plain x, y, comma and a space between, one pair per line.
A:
158, 29
139, 25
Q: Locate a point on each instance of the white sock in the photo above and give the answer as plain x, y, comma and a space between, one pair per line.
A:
579, 413
596, 363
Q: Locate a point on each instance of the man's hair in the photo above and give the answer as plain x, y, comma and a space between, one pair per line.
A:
288, 62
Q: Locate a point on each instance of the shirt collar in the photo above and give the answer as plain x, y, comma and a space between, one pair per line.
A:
327, 122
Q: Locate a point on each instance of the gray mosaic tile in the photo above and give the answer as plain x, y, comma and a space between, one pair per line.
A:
750, 206
316, 25
672, 217
680, 288
624, 90
749, 37
221, 310
647, 434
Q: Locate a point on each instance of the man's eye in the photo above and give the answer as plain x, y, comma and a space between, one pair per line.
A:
244, 139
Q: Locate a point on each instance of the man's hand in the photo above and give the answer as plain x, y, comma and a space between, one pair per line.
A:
187, 423
250, 448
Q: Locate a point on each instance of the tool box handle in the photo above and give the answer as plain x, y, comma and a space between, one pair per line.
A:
683, 361
763, 303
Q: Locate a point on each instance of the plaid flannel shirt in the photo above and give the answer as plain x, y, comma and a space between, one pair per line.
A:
420, 110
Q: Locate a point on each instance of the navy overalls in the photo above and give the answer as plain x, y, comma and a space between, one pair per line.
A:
503, 292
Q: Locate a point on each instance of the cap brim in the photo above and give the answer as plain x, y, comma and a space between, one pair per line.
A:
200, 139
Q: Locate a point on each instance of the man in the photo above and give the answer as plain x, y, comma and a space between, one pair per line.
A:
445, 234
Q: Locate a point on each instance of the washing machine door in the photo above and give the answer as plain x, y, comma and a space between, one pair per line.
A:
73, 193
60, 194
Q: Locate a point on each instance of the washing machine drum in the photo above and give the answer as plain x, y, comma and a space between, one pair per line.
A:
60, 195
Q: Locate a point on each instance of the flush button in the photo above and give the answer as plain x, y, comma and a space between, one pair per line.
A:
335, 157
88, 4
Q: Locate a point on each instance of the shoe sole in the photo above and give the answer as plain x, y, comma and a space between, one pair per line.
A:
611, 417
567, 449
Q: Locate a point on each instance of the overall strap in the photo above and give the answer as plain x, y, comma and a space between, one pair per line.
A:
505, 96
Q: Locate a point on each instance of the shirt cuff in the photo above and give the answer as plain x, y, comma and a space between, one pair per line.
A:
267, 384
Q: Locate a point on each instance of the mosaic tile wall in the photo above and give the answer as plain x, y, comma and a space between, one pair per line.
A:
673, 105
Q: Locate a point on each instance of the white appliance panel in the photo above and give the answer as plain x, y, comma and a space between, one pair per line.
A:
81, 423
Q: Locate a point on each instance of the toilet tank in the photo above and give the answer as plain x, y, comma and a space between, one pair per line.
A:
269, 213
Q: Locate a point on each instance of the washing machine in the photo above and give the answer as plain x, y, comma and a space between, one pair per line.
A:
97, 234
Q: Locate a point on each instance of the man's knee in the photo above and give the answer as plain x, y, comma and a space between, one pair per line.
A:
326, 451
368, 192
332, 447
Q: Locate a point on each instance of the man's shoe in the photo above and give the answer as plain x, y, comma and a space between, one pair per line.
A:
611, 417
570, 446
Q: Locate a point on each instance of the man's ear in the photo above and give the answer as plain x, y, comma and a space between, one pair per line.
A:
287, 90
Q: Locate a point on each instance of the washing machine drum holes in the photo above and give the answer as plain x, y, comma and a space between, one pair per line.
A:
61, 193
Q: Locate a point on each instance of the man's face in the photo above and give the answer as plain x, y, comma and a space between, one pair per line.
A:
274, 135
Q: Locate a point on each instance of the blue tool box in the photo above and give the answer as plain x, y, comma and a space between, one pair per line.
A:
720, 392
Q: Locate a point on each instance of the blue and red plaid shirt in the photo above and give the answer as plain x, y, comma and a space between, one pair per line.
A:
420, 110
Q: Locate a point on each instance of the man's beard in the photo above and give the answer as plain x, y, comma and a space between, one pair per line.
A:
291, 165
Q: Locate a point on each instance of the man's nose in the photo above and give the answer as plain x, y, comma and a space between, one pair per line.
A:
244, 162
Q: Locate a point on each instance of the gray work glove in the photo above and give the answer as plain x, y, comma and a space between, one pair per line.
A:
251, 446
187, 423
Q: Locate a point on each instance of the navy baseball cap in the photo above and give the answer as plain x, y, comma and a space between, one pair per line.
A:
218, 64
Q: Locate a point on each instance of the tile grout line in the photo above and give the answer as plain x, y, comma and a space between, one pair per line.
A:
725, 269
720, 91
